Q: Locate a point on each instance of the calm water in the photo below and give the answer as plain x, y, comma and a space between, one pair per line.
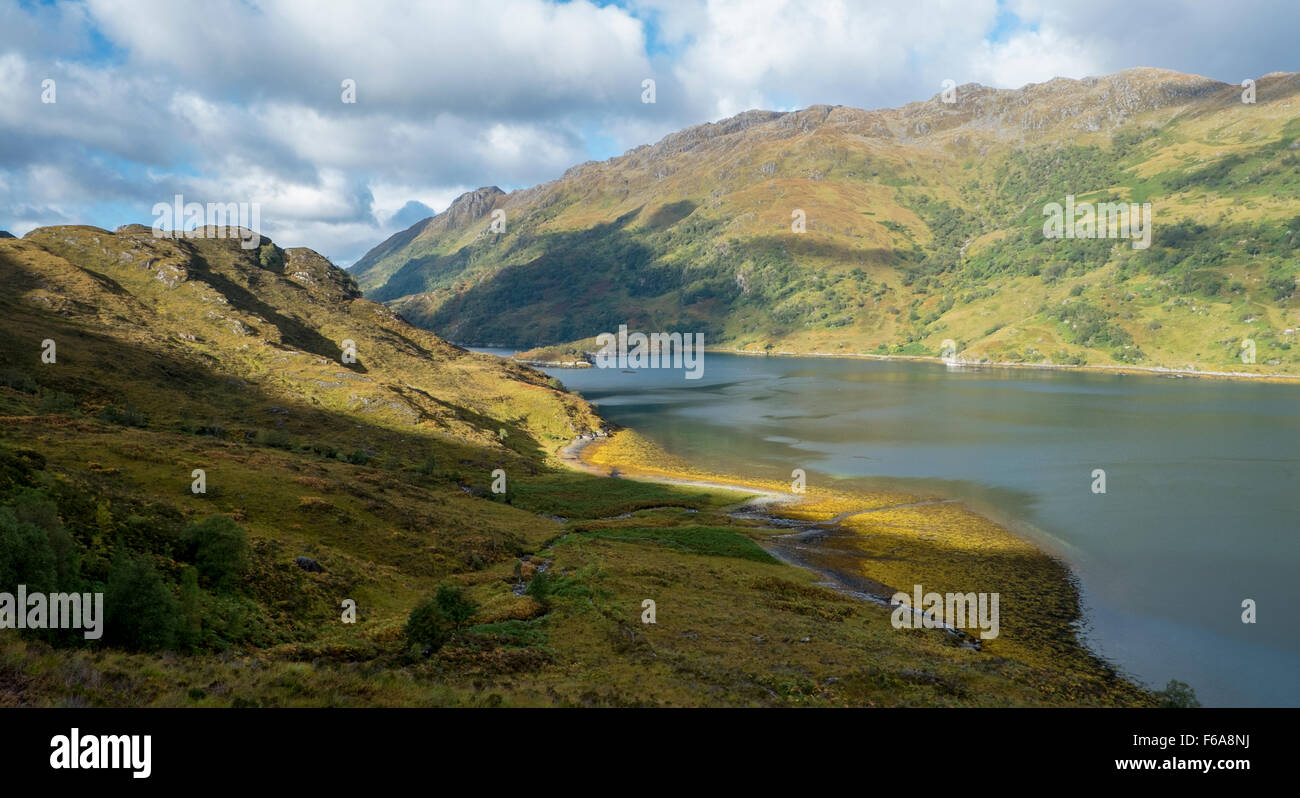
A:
1200, 510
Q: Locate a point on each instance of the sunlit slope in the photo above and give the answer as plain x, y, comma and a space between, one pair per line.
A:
922, 224
133, 366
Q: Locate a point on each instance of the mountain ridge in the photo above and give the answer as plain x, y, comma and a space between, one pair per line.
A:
941, 195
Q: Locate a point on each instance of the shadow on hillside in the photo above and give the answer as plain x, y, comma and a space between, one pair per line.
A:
292, 331
107, 370
590, 281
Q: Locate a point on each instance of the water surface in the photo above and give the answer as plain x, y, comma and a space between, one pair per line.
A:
1201, 494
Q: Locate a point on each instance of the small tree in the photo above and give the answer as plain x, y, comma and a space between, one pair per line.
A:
432, 623
140, 610
456, 606
540, 587
427, 626
1177, 695
189, 632
220, 550
25, 555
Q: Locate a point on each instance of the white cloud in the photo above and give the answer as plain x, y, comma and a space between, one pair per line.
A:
1031, 57
238, 100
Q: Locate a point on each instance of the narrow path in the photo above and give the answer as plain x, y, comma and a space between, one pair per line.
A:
808, 531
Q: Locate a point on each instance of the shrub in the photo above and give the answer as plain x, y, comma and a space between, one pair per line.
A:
13, 378
128, 416
1177, 695
325, 450
539, 587
270, 256
276, 439
189, 630
213, 429
220, 550
455, 605
432, 623
25, 554
427, 626
141, 612
56, 402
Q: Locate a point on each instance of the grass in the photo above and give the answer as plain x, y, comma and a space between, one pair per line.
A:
715, 541
273, 424
578, 496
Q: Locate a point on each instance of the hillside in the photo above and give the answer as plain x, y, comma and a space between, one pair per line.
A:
923, 223
329, 481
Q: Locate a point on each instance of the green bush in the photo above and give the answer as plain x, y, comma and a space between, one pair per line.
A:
270, 256
189, 631
539, 587
19, 381
56, 402
427, 626
455, 605
276, 439
220, 549
432, 623
1177, 695
128, 416
140, 611
26, 557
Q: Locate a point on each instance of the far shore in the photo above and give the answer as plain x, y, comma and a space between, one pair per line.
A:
972, 364
959, 364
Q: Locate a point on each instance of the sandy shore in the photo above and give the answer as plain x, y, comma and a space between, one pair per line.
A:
873, 544
572, 455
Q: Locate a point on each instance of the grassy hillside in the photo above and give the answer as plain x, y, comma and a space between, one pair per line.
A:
330, 481
922, 223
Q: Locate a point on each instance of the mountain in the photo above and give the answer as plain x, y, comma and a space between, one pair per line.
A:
921, 224
288, 496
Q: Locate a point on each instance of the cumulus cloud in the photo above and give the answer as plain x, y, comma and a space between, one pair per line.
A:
242, 102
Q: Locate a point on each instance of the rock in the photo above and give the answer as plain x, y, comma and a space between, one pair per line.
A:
309, 565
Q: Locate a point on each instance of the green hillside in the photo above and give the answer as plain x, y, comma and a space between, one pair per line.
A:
129, 362
922, 223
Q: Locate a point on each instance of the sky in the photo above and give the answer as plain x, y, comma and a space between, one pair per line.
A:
243, 101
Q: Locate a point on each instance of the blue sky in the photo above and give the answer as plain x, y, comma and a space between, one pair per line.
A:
240, 100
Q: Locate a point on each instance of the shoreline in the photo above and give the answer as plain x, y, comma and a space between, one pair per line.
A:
961, 364
935, 541
1155, 371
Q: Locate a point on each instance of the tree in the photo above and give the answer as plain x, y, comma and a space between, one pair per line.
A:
189, 632
1177, 695
427, 626
220, 550
33, 507
539, 587
141, 612
455, 605
432, 623
25, 555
